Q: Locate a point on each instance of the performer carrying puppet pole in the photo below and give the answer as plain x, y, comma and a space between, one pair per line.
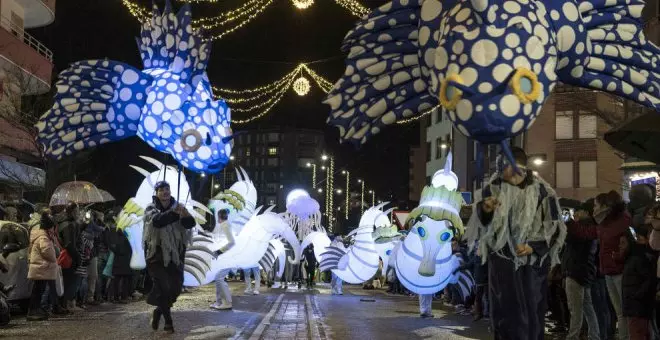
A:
520, 234
165, 229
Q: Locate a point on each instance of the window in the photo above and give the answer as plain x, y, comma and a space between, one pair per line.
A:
588, 174
272, 151
564, 125
437, 117
271, 187
271, 200
588, 126
273, 137
564, 174
247, 152
273, 161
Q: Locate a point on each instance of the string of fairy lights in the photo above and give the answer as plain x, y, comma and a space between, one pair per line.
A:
254, 103
229, 21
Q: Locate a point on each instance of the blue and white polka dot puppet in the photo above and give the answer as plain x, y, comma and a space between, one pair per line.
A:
169, 104
490, 64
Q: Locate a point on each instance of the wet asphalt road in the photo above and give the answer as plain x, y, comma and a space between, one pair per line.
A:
275, 314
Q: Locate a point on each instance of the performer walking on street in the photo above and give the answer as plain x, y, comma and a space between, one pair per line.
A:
165, 229
520, 234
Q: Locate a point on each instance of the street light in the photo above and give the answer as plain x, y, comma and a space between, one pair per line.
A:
231, 158
324, 157
339, 191
444, 146
538, 160
320, 190
373, 197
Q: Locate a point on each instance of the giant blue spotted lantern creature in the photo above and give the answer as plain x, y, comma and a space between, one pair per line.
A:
169, 104
490, 64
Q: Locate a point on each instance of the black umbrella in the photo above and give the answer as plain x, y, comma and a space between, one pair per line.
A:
639, 138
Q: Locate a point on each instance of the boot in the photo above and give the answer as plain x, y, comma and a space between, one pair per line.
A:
155, 319
39, 315
73, 307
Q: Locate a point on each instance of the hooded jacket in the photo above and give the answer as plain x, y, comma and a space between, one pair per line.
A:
41, 256
608, 233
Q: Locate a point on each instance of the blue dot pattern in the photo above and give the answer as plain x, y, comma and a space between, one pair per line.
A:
421, 231
169, 104
401, 53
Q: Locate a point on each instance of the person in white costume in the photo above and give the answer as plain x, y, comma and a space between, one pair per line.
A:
248, 280
222, 293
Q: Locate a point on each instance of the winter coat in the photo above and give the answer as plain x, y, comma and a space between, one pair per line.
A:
309, 257
608, 233
41, 256
122, 250
579, 257
69, 233
638, 284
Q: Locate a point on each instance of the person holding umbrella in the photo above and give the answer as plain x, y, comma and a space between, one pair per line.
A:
166, 223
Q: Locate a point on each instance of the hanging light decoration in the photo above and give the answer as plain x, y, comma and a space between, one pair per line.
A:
302, 4
301, 86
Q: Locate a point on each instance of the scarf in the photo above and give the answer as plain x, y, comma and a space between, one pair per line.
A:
601, 215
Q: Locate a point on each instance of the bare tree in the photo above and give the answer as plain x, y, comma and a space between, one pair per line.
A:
20, 109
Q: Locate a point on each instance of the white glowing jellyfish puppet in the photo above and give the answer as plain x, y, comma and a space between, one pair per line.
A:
131, 217
303, 213
359, 262
424, 261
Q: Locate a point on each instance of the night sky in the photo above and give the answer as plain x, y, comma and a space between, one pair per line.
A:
258, 53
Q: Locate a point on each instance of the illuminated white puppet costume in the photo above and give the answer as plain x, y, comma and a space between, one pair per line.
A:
131, 217
424, 261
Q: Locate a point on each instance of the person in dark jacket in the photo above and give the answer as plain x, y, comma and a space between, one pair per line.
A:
69, 232
166, 225
310, 265
612, 222
579, 267
122, 274
638, 283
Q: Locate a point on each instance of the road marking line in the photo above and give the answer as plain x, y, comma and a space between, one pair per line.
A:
266, 320
311, 323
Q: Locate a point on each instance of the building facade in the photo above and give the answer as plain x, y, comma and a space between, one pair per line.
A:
276, 161
26, 67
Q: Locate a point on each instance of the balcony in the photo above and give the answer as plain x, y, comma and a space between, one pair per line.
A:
25, 58
37, 13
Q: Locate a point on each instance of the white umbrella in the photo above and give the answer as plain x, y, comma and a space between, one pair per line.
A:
78, 192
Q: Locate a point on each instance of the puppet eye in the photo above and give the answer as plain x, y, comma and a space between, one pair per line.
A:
421, 231
525, 85
450, 95
444, 236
